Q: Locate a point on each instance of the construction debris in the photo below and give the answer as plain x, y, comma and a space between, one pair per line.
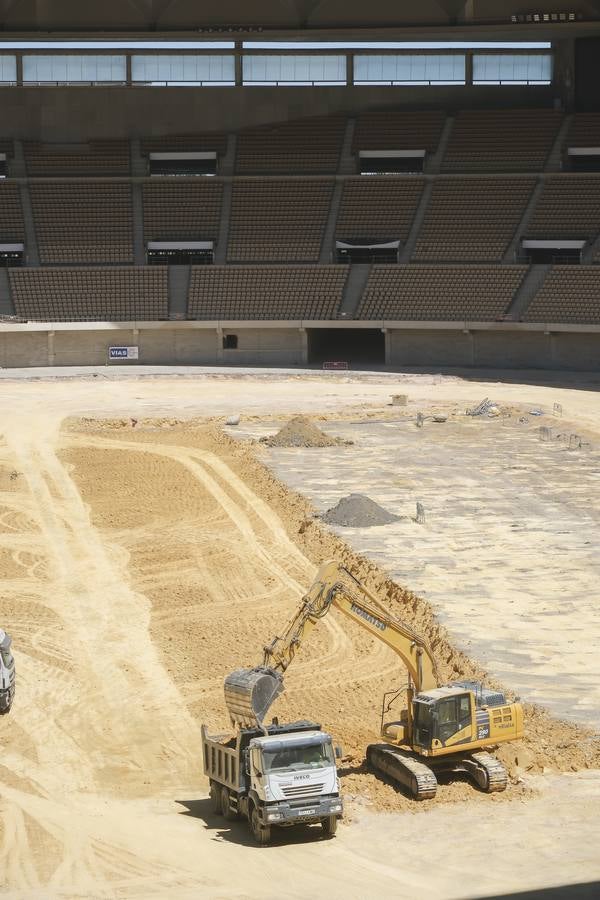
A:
483, 408
358, 511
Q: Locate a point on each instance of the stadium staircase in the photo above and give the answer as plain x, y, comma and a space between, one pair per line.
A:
179, 285
347, 164
554, 161
327, 246
513, 248
7, 307
435, 164
31, 245
354, 290
535, 277
411, 242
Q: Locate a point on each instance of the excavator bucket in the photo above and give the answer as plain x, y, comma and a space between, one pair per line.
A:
249, 693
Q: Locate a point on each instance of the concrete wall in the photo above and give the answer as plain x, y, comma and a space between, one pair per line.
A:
81, 113
579, 351
168, 344
265, 347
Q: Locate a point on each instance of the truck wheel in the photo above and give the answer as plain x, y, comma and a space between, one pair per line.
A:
225, 807
215, 797
329, 825
260, 832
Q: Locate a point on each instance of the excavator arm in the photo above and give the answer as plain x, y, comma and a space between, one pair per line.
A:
250, 692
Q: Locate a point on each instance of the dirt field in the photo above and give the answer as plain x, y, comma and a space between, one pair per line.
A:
143, 561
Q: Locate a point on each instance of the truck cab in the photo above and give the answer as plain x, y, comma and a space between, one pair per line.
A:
7, 673
285, 775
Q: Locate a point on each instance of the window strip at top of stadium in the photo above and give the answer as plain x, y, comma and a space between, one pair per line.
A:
133, 44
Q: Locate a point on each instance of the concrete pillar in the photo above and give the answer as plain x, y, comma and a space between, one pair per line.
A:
239, 65
19, 69
220, 354
388, 346
471, 345
51, 348
304, 347
350, 68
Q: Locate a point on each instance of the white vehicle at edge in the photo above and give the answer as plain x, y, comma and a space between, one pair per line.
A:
7, 673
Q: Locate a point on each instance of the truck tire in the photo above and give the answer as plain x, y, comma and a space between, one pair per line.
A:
225, 807
329, 825
261, 833
215, 797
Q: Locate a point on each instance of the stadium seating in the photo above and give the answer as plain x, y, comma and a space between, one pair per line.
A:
11, 215
569, 294
182, 210
398, 130
584, 130
266, 292
472, 219
105, 158
83, 222
440, 293
302, 145
569, 207
278, 220
504, 140
378, 208
109, 294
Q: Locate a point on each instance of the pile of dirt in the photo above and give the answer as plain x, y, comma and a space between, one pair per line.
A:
358, 511
301, 432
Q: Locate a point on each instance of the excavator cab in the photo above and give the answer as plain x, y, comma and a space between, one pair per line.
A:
442, 721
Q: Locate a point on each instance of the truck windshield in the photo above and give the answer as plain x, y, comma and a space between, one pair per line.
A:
298, 757
7, 658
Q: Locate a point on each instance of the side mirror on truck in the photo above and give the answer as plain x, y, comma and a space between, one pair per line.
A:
339, 753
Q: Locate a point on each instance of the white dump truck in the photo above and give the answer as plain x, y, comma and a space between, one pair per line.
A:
274, 776
7, 674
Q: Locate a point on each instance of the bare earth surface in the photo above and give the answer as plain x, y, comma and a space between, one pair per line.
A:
140, 563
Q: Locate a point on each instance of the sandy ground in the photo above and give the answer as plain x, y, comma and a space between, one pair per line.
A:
140, 565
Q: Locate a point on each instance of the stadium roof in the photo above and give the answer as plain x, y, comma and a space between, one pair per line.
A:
191, 15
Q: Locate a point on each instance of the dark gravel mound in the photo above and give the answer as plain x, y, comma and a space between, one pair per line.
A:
358, 511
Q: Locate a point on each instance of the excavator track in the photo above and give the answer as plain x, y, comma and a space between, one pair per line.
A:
403, 769
489, 773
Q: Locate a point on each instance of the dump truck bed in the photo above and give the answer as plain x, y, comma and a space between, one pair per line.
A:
223, 761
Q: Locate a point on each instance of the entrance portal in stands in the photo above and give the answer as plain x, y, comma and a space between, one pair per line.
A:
356, 346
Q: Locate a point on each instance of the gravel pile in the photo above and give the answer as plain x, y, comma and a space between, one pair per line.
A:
358, 511
301, 432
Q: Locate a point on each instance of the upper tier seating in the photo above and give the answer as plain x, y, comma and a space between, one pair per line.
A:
215, 141
584, 130
278, 220
569, 294
398, 130
85, 222
262, 292
501, 140
182, 210
303, 145
378, 208
11, 214
569, 206
440, 293
472, 219
106, 158
90, 295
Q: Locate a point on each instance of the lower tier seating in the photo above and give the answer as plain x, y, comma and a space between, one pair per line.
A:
90, 295
266, 292
569, 294
440, 293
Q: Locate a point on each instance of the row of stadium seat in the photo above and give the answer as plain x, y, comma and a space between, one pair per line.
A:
395, 293
283, 220
480, 141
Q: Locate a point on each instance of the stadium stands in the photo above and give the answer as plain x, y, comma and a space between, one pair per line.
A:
278, 220
176, 209
83, 222
472, 219
584, 130
266, 292
569, 207
11, 215
302, 145
398, 130
505, 140
568, 295
99, 158
378, 208
90, 295
440, 293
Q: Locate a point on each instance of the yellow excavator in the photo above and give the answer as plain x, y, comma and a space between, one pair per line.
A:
443, 729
